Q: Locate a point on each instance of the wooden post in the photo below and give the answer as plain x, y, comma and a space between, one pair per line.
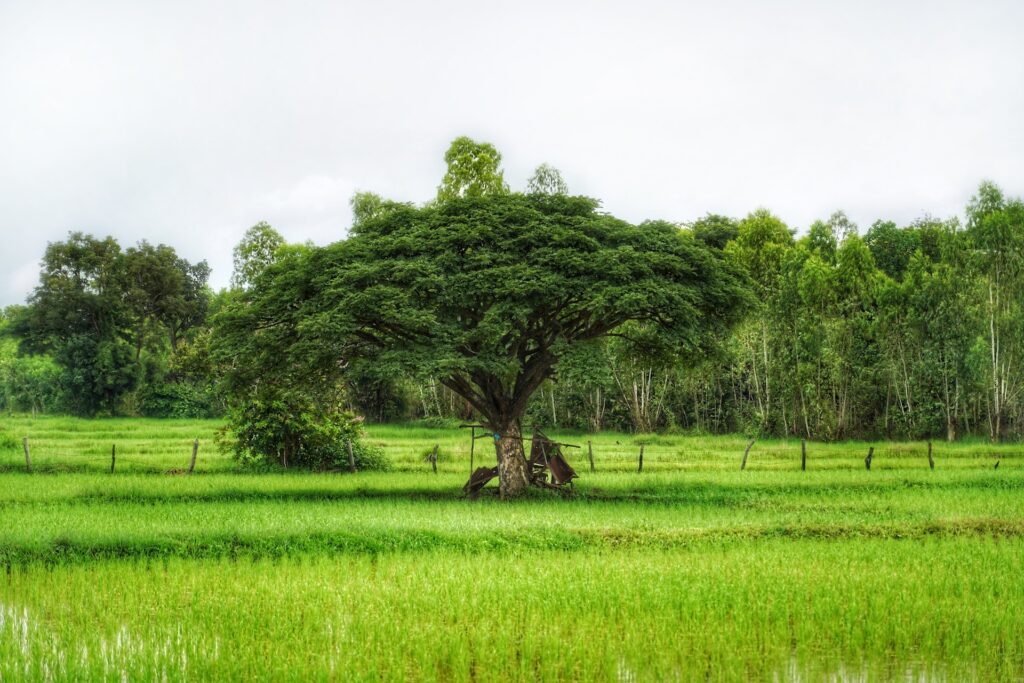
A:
113, 457
433, 458
867, 460
28, 458
641, 467
590, 454
931, 461
743, 465
803, 455
472, 445
195, 451
351, 457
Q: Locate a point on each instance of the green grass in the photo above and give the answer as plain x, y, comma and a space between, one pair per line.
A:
691, 570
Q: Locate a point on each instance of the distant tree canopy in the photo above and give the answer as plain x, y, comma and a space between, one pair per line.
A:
97, 308
256, 251
546, 180
367, 206
474, 170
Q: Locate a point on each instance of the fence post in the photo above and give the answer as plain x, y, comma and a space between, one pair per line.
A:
28, 458
867, 460
113, 457
803, 455
590, 454
743, 465
641, 467
351, 457
931, 462
195, 451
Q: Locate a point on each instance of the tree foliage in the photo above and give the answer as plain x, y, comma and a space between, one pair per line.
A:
97, 308
474, 170
487, 293
283, 406
547, 180
257, 250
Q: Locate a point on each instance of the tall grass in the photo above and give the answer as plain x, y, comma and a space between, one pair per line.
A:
780, 609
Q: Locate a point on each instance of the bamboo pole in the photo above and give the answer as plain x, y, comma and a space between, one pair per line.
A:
195, 451
743, 465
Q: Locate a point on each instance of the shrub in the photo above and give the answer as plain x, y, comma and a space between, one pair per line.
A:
176, 399
296, 433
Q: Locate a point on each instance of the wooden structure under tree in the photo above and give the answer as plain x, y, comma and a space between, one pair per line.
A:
546, 460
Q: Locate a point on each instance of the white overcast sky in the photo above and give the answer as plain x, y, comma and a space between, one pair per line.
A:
186, 122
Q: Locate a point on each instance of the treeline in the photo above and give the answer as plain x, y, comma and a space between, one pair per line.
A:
900, 332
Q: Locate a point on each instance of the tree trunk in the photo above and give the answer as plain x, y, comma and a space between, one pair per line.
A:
512, 475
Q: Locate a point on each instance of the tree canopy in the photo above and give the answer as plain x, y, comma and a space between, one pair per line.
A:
546, 180
256, 251
97, 307
487, 293
474, 170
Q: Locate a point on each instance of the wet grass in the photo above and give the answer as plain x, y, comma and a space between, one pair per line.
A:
691, 570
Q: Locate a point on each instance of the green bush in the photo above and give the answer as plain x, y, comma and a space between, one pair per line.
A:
176, 399
298, 434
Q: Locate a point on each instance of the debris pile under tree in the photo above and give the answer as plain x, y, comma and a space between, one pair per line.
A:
546, 460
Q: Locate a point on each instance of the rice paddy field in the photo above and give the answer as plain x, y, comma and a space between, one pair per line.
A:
688, 570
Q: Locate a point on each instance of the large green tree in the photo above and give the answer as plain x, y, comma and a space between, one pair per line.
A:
96, 307
995, 230
164, 292
760, 248
487, 293
79, 313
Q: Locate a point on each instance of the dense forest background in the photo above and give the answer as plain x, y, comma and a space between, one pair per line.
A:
895, 331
